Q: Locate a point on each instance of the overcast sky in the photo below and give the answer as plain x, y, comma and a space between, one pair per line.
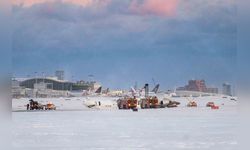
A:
124, 41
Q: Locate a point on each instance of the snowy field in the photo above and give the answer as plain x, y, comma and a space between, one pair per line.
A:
77, 103
158, 129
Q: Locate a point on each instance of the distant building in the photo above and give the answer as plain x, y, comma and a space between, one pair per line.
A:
59, 74
212, 90
42, 86
46, 83
198, 86
15, 83
55, 84
226, 89
195, 85
181, 89
82, 85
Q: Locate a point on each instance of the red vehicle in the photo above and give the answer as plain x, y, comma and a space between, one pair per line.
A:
215, 107
210, 104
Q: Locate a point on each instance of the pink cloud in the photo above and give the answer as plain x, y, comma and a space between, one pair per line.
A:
27, 3
154, 7
83, 3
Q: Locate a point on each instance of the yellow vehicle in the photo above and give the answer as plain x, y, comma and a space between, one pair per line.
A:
50, 106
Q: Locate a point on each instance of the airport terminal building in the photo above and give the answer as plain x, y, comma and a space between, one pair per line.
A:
46, 83
55, 84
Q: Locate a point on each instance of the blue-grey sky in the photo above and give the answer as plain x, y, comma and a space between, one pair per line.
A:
121, 42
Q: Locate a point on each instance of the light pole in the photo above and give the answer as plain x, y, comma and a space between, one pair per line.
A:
91, 78
36, 77
35, 83
71, 87
43, 76
28, 78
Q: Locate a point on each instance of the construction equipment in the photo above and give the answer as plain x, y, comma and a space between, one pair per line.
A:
34, 105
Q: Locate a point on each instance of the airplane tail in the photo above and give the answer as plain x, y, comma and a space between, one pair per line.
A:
107, 90
133, 91
99, 90
156, 89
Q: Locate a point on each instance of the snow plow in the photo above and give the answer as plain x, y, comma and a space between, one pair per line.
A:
34, 105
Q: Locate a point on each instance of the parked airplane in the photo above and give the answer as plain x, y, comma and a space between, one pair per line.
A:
100, 102
141, 92
82, 93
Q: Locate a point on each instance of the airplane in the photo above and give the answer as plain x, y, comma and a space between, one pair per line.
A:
82, 93
101, 102
142, 92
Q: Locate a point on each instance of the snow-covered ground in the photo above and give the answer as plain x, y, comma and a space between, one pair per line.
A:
78, 103
152, 129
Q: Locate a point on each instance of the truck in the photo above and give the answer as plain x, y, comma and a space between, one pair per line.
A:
127, 103
35, 105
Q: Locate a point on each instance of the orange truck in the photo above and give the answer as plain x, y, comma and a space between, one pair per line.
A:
50, 106
127, 103
150, 102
